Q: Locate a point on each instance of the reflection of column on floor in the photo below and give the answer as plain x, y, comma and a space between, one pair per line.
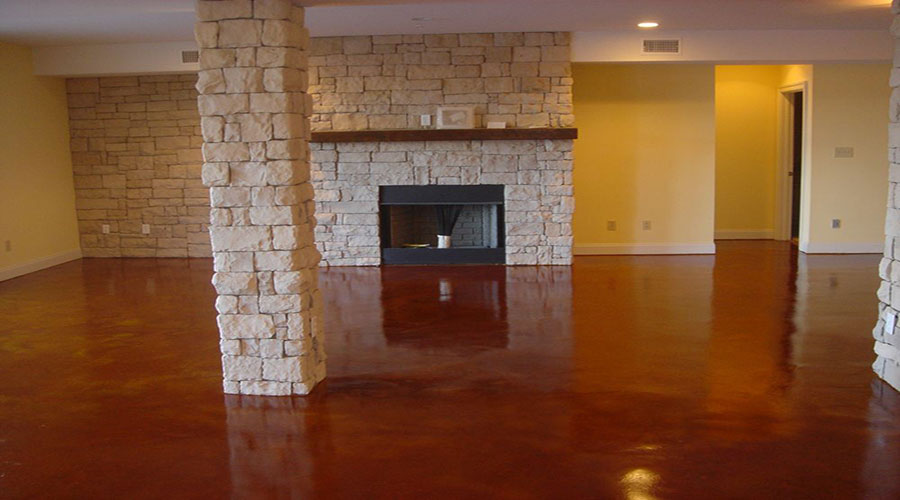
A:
273, 444
353, 314
539, 309
879, 472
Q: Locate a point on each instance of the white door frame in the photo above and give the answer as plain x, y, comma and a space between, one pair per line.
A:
785, 165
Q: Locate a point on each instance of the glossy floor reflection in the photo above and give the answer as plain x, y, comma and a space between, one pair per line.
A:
744, 375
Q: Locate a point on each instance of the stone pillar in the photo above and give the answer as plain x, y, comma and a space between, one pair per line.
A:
887, 330
254, 118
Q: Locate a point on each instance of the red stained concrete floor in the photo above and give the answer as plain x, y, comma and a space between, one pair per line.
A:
744, 375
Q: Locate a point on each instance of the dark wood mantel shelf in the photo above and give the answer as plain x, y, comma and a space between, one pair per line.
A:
473, 134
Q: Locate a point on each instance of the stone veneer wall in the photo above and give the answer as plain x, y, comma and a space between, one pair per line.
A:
537, 174
136, 140
887, 340
135, 145
386, 82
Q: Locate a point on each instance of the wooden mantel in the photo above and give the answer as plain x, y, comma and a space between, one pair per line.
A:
474, 134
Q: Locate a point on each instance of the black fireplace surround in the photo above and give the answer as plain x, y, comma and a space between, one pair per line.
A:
431, 206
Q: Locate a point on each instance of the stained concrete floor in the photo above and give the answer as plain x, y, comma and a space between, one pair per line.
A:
744, 375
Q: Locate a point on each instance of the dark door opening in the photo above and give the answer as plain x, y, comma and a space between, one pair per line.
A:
796, 172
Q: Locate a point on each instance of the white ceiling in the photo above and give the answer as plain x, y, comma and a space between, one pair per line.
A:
79, 22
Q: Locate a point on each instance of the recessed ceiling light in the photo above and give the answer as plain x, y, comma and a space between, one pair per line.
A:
648, 24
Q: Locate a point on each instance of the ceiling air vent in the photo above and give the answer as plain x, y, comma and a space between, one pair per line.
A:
190, 56
668, 46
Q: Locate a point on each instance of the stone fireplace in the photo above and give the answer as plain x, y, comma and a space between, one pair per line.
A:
413, 216
535, 176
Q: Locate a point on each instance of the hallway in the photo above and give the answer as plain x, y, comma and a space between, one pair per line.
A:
740, 375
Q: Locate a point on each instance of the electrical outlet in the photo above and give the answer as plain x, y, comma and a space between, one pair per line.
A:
105, 228
425, 120
835, 223
645, 225
890, 321
145, 228
610, 225
8, 245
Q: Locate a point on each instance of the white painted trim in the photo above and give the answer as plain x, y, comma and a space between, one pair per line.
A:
784, 192
38, 264
113, 59
744, 234
645, 249
736, 46
815, 248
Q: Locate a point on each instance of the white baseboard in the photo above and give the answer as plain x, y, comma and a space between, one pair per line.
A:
645, 249
36, 265
741, 234
876, 247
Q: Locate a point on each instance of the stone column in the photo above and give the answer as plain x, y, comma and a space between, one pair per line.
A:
887, 330
254, 118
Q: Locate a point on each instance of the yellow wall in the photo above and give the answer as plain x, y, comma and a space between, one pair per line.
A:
37, 198
849, 109
746, 150
646, 151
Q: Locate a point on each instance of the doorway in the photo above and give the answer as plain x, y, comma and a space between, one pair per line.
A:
793, 144
796, 172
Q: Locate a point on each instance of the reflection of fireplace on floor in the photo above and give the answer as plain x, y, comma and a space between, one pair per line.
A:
444, 299
442, 224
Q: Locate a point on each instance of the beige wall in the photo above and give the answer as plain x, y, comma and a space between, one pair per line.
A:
646, 151
848, 111
37, 202
746, 150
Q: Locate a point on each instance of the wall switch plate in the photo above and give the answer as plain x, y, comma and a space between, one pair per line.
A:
8, 245
844, 152
425, 120
105, 228
645, 225
610, 225
145, 228
835, 223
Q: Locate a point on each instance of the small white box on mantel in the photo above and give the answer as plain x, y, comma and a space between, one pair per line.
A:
496, 124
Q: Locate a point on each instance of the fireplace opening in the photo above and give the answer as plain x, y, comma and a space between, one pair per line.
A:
442, 224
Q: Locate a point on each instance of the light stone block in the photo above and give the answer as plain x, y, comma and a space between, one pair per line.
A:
229, 196
265, 388
243, 80
215, 10
283, 370
281, 304
274, 216
278, 33
246, 326
215, 174
273, 9
235, 283
206, 34
211, 81
240, 239
240, 33
222, 104
241, 367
